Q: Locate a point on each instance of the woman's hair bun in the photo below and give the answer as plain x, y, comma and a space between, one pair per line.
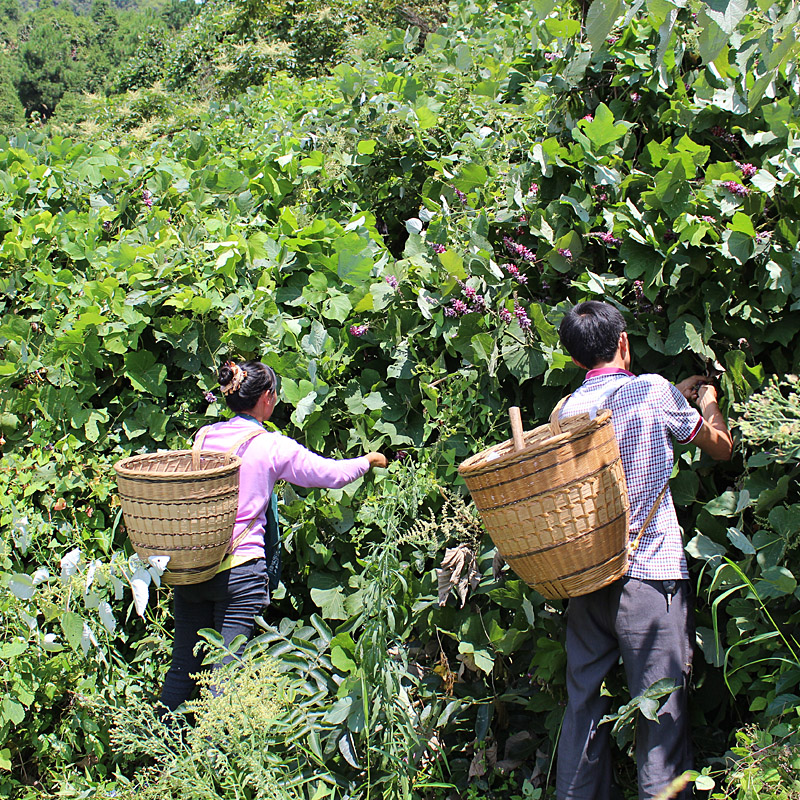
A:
225, 374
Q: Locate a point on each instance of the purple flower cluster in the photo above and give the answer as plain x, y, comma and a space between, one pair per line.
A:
565, 253
534, 189
210, 397
522, 317
460, 195
723, 134
763, 237
106, 224
638, 290
438, 248
552, 57
635, 97
612, 39
748, 170
513, 271
709, 219
505, 315
736, 188
457, 308
477, 301
147, 198
587, 118
609, 239
358, 330
518, 250
392, 281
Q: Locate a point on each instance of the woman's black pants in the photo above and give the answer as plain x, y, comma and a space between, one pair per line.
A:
228, 603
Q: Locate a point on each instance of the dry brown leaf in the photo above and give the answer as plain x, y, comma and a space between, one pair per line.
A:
459, 572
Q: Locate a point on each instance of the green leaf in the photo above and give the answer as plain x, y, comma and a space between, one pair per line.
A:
685, 333
603, 130
741, 542
600, 20
471, 177
726, 13
354, 262
705, 549
562, 28
723, 506
712, 39
366, 147
72, 625
13, 711
145, 374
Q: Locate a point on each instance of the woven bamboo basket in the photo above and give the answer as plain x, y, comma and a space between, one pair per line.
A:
181, 504
555, 502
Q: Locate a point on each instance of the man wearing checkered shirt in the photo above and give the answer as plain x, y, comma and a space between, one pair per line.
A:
646, 617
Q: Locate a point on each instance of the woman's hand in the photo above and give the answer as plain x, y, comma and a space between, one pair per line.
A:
376, 460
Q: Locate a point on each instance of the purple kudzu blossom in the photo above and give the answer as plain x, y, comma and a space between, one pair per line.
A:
459, 307
358, 330
534, 189
748, 170
514, 272
763, 237
638, 290
392, 281
587, 118
522, 317
565, 253
505, 315
210, 397
707, 218
438, 248
736, 188
147, 198
552, 56
721, 133
518, 250
460, 195
609, 239
635, 97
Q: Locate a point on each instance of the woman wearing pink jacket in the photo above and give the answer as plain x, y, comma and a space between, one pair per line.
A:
230, 600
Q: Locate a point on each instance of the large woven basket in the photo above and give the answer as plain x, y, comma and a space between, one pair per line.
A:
554, 501
180, 508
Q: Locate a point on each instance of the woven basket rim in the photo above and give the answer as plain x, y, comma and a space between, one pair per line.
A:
508, 455
126, 467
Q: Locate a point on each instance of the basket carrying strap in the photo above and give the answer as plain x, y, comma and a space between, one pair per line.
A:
635, 543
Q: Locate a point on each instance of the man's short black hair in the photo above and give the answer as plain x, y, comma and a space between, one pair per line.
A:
590, 332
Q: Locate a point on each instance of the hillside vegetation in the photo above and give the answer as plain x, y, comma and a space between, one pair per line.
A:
397, 231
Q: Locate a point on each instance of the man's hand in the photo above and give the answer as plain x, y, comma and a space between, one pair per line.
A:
714, 437
690, 387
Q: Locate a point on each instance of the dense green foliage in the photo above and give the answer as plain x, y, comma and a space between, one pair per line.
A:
54, 49
399, 239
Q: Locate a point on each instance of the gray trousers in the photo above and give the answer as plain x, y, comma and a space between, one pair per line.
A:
632, 619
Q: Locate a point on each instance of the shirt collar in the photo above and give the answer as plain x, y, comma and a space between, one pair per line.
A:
596, 373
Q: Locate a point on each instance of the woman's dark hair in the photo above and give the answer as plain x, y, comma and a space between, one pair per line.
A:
590, 332
259, 378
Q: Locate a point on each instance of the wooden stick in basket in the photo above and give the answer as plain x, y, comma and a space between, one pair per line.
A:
516, 428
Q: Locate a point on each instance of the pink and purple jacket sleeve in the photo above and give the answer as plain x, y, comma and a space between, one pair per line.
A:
269, 458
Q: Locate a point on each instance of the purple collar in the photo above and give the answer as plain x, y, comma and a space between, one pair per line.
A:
596, 373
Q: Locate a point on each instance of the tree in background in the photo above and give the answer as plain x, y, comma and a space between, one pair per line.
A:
12, 113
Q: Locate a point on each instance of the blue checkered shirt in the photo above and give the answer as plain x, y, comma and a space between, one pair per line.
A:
648, 413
